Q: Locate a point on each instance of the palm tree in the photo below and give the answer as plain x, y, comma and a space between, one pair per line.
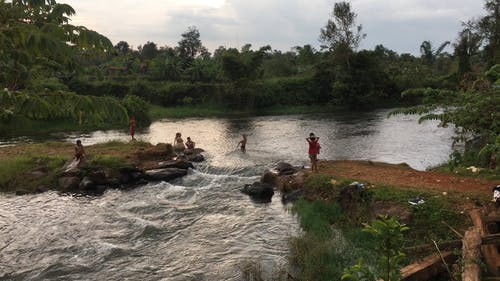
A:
429, 54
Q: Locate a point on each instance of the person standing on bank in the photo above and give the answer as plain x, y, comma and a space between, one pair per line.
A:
132, 127
314, 148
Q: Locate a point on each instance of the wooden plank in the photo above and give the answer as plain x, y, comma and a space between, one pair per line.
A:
470, 253
490, 252
427, 267
491, 239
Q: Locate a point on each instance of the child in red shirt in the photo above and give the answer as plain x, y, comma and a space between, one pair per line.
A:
314, 148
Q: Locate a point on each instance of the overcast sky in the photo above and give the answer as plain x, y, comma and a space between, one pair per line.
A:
400, 25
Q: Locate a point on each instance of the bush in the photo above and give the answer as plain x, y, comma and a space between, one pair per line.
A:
136, 106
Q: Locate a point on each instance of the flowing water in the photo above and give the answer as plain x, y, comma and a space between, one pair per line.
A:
199, 227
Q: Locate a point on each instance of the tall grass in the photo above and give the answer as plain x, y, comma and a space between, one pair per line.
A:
325, 249
333, 238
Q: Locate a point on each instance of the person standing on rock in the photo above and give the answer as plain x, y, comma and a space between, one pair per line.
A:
79, 153
314, 148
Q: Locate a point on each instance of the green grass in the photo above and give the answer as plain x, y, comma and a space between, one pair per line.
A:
15, 173
105, 162
320, 252
325, 249
122, 145
50, 157
483, 173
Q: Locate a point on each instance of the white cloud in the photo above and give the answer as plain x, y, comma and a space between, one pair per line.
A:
400, 25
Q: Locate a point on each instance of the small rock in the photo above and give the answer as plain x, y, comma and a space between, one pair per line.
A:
37, 174
195, 158
86, 184
270, 178
69, 183
179, 164
292, 196
165, 174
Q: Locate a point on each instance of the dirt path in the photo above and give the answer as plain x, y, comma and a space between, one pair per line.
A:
403, 176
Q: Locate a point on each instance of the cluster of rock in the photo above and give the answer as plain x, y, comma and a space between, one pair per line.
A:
285, 178
85, 180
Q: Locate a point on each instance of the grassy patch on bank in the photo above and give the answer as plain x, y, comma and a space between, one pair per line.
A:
22, 172
27, 167
482, 173
333, 238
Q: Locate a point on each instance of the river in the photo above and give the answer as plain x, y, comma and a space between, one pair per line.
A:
199, 227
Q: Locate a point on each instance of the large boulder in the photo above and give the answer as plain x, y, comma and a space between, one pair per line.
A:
165, 174
259, 192
130, 175
179, 164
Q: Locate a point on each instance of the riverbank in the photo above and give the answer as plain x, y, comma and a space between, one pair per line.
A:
345, 196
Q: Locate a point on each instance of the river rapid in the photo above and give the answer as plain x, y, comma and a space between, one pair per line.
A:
199, 227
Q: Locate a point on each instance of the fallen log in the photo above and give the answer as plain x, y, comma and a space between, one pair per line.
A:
470, 253
427, 267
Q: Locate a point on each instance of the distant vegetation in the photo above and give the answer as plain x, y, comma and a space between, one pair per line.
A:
58, 73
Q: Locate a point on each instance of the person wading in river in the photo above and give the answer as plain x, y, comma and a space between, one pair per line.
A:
314, 148
243, 143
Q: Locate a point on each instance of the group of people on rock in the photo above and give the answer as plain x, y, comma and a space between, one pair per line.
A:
181, 148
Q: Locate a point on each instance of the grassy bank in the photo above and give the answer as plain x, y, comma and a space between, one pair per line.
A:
333, 238
28, 168
158, 112
22, 126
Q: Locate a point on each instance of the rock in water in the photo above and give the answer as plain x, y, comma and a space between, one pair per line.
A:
179, 164
259, 192
165, 174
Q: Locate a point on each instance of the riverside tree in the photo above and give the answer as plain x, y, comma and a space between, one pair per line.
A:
39, 50
340, 33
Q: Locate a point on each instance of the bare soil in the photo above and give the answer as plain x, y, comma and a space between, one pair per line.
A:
404, 176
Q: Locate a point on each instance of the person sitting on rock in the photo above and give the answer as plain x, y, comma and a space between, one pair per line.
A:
179, 145
189, 146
